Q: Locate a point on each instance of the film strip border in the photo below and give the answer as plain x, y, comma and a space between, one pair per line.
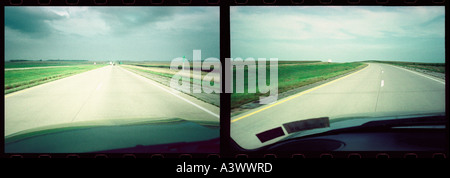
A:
226, 153
223, 2
112, 2
241, 156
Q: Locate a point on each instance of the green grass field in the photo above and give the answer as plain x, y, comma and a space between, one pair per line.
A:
293, 76
162, 64
149, 64
46, 63
16, 80
152, 72
164, 70
163, 75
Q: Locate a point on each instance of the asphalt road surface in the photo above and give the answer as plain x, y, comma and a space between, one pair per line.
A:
107, 94
376, 90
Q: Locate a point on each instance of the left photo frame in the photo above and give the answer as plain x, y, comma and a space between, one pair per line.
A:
85, 79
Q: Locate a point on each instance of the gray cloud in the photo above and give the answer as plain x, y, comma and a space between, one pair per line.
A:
340, 33
111, 33
124, 19
29, 21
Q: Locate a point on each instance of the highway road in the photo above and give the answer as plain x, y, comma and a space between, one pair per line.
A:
376, 90
110, 94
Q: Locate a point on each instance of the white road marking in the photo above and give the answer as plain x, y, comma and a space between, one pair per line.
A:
440, 81
382, 83
168, 91
99, 86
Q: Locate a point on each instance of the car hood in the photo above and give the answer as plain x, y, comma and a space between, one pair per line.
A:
351, 121
112, 135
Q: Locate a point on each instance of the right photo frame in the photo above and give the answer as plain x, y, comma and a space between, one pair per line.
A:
341, 79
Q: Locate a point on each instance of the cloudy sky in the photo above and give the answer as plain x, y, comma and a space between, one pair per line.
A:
111, 33
339, 33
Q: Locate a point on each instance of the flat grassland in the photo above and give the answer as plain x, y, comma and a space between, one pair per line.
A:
46, 63
30, 73
163, 69
161, 72
294, 74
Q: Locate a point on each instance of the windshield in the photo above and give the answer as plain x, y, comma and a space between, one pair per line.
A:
91, 70
338, 63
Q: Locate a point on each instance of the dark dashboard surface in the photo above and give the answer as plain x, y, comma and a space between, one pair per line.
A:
395, 140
